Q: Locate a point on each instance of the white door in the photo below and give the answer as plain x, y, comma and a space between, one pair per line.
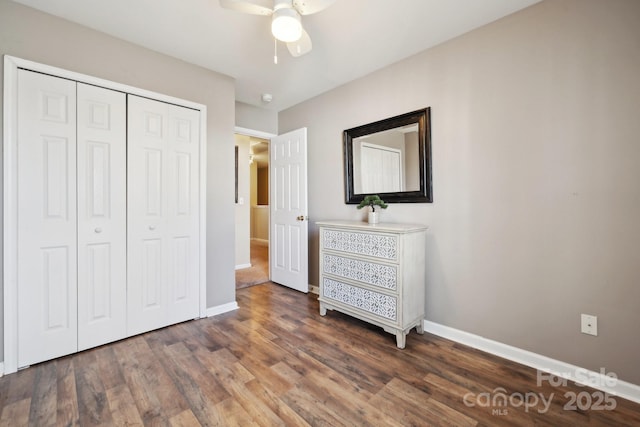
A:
288, 240
102, 209
183, 226
163, 208
46, 272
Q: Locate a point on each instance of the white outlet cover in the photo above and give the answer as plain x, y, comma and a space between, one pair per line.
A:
589, 324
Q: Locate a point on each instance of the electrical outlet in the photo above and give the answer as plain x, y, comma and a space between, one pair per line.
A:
589, 324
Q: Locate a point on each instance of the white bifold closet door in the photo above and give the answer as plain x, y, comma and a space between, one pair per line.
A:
163, 206
102, 216
71, 216
108, 216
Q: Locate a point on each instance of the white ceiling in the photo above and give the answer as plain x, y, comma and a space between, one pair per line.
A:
351, 38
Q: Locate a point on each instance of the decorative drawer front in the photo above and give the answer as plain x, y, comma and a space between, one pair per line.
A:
370, 244
383, 276
363, 299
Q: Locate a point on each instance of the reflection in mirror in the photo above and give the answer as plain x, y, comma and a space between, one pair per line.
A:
385, 162
390, 158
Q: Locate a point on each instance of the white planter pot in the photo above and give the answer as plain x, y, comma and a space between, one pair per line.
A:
373, 217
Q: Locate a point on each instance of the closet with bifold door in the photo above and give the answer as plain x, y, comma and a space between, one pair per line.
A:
107, 207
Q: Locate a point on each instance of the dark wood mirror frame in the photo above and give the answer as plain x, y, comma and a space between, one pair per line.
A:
425, 193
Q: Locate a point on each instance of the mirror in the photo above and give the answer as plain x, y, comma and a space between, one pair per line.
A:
391, 158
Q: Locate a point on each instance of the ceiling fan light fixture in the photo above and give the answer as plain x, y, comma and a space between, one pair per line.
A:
285, 25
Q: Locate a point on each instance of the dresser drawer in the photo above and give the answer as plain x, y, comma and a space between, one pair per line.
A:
369, 244
372, 273
372, 302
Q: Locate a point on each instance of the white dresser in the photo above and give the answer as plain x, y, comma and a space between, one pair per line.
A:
375, 272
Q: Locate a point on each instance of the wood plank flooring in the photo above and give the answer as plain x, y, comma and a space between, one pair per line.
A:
276, 361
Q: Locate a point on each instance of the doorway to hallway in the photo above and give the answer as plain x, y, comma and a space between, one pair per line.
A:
252, 210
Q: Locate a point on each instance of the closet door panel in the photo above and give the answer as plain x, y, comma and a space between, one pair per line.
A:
47, 317
151, 289
102, 227
183, 221
147, 297
162, 214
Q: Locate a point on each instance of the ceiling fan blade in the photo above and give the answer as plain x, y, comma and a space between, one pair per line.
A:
253, 7
307, 7
301, 46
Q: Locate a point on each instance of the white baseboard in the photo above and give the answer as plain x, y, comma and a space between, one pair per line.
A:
544, 364
219, 309
241, 266
1, 369
314, 289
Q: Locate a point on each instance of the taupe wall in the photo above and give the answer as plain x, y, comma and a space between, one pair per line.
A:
29, 34
536, 176
255, 118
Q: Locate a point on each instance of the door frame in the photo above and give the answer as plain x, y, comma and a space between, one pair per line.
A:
10, 218
262, 135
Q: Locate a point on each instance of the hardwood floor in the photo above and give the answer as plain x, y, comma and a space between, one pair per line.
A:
276, 361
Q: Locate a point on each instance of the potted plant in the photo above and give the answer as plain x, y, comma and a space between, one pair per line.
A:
372, 201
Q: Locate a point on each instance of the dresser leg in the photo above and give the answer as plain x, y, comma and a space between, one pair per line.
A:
420, 328
323, 310
401, 339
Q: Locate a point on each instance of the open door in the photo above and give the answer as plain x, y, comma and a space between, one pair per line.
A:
288, 240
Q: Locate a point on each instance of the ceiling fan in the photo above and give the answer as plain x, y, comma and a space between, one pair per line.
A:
285, 15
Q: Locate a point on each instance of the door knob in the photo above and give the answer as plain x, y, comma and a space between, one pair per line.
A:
302, 218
